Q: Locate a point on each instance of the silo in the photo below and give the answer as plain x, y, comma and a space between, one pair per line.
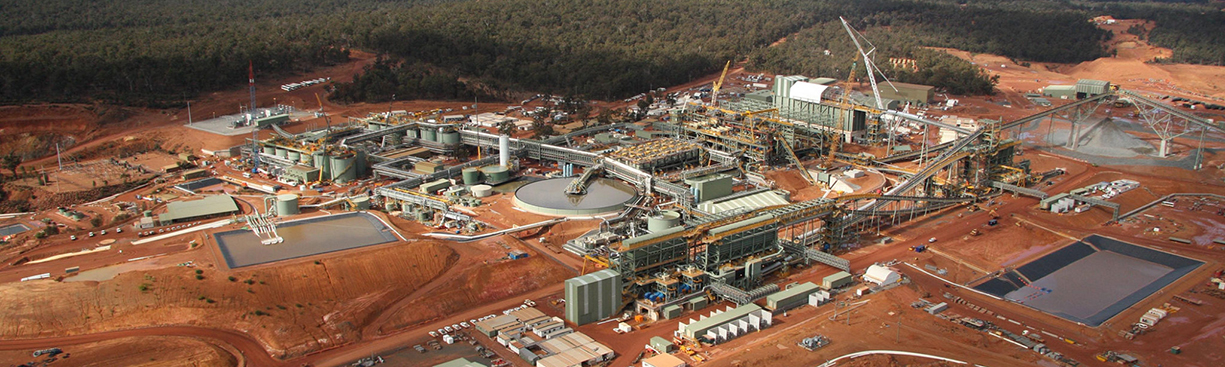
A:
362, 202
269, 150
429, 134
344, 169
281, 152
496, 174
321, 162
472, 176
504, 151
286, 204
293, 156
450, 138
664, 220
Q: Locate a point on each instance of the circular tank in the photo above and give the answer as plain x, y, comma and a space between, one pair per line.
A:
424, 216
472, 176
269, 150
293, 156
391, 206
664, 220
450, 138
410, 133
481, 191
496, 174
321, 162
429, 134
286, 204
306, 159
344, 169
362, 202
546, 197
281, 152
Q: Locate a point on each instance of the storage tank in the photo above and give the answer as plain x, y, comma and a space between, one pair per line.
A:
504, 151
344, 169
281, 152
294, 155
472, 176
286, 204
269, 150
429, 134
391, 139
362, 202
321, 162
481, 191
305, 159
450, 138
410, 134
664, 220
496, 174
391, 206
424, 217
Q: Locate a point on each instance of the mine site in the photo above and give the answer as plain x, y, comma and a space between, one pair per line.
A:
1065, 213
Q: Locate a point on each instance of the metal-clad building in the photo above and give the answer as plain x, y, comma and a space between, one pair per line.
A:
662, 345
906, 92
1060, 91
838, 280
460, 362
1090, 87
727, 325
592, 297
791, 298
209, 207
711, 187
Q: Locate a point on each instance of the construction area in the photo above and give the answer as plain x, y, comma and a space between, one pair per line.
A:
791, 224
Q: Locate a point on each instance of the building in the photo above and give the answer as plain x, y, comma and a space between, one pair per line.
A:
711, 187
908, 93
208, 207
729, 324
301, 174
460, 362
881, 276
1060, 91
194, 174
663, 360
1086, 88
593, 297
838, 280
572, 350
662, 345
790, 298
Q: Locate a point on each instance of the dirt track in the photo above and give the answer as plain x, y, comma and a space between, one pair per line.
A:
251, 352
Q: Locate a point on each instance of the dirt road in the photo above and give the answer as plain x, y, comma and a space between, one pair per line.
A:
250, 351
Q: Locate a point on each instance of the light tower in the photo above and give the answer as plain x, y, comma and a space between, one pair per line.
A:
251, 82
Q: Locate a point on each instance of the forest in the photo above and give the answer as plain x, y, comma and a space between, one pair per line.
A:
162, 52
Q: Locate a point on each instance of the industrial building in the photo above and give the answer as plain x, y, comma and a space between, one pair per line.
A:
837, 280
908, 93
729, 324
460, 362
1086, 88
208, 207
661, 345
1060, 91
663, 360
881, 276
595, 296
790, 298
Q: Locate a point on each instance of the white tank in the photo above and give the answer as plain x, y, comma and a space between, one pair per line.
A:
504, 151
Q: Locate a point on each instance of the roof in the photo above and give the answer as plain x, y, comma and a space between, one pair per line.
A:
595, 277
460, 362
837, 276
879, 273
823, 81
754, 201
663, 360
799, 289
807, 92
216, 204
655, 340
301, 169
1060, 88
723, 318
1093, 82
900, 85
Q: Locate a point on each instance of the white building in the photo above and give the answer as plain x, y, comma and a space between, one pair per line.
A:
881, 275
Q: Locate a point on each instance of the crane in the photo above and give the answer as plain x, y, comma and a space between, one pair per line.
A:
714, 90
326, 119
867, 63
832, 151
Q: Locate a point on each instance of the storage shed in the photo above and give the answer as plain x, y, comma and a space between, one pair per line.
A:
1089, 87
838, 280
662, 345
881, 275
1060, 91
791, 298
906, 92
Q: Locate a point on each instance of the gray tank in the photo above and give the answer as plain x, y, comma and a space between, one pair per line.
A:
429, 134
344, 169
281, 152
410, 134
450, 138
286, 204
269, 150
322, 163
664, 220
472, 176
293, 155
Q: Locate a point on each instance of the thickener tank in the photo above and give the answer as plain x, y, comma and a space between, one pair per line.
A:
472, 176
450, 138
286, 204
481, 191
664, 220
496, 174
344, 168
429, 134
321, 162
362, 202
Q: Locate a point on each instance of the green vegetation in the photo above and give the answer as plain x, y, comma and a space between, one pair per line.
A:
161, 52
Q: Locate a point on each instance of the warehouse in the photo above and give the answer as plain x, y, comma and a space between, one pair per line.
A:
460, 362
1060, 91
593, 297
663, 360
881, 276
722, 326
301, 174
1086, 88
574, 349
208, 207
838, 280
908, 93
793, 297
